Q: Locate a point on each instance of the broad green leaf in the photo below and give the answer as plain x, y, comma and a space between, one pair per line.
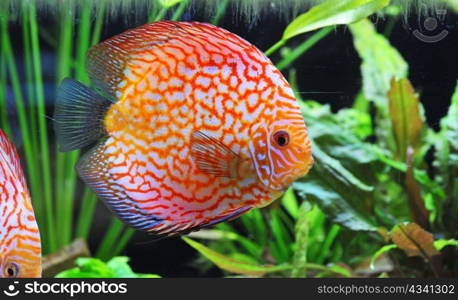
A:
281, 239
452, 3
343, 177
213, 234
407, 126
414, 240
333, 12
89, 267
235, 266
121, 269
406, 119
290, 203
446, 166
230, 264
381, 62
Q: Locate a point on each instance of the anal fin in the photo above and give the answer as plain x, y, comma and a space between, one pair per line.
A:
93, 168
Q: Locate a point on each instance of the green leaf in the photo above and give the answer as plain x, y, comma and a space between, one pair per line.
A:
302, 233
407, 127
333, 12
290, 203
120, 267
343, 177
169, 3
230, 264
381, 63
406, 119
236, 266
441, 244
89, 267
446, 165
379, 253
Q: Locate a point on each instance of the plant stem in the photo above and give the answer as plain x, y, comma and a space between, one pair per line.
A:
7, 54
43, 136
64, 57
3, 101
110, 239
275, 47
306, 45
96, 33
220, 11
86, 214
128, 233
180, 10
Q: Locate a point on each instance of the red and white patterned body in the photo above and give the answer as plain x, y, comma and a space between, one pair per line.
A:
171, 79
20, 246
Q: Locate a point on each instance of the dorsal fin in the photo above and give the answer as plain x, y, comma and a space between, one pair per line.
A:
9, 155
108, 61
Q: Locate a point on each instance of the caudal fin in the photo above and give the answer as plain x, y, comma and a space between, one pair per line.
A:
78, 115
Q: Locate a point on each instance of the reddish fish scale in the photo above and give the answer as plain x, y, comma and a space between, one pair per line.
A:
171, 79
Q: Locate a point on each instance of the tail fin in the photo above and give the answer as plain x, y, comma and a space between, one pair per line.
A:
78, 115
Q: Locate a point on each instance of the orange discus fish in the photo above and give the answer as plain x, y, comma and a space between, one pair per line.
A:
196, 126
20, 245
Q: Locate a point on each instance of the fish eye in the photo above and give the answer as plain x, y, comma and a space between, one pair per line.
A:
281, 138
11, 270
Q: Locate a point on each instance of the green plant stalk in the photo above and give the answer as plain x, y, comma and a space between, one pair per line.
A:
29, 78
302, 233
279, 244
89, 199
46, 172
275, 47
7, 54
126, 236
220, 11
306, 45
159, 16
3, 101
64, 57
330, 237
180, 10
82, 44
111, 237
96, 33
86, 213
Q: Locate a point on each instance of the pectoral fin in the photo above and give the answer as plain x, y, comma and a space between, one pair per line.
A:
212, 156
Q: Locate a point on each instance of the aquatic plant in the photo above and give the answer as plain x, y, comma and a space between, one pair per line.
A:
345, 219
62, 210
116, 267
372, 199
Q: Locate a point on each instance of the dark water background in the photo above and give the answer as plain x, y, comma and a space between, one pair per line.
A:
328, 73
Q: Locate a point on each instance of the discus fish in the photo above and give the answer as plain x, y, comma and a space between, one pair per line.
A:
195, 127
20, 245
